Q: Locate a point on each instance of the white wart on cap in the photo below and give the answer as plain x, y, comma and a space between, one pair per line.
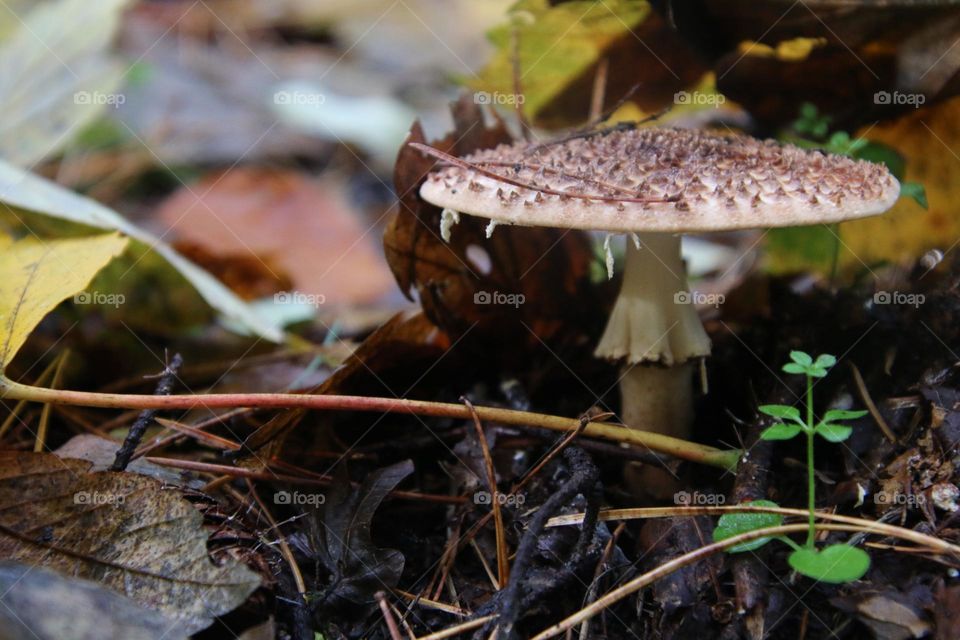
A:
669, 180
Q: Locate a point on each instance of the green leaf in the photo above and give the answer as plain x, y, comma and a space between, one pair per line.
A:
36, 276
780, 431
842, 414
793, 367
825, 361
816, 372
836, 564
883, 154
916, 191
841, 143
801, 358
732, 524
833, 432
780, 411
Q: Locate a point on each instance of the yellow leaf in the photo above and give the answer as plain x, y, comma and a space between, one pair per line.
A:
557, 44
793, 50
35, 276
930, 142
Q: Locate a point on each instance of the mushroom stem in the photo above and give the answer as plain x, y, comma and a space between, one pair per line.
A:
654, 328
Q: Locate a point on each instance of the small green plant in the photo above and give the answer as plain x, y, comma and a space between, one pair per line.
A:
836, 563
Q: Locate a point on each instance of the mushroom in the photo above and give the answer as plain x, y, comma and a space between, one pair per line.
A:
654, 184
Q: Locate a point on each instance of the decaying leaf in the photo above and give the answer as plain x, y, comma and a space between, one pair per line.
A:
39, 603
122, 530
518, 282
22, 191
55, 74
343, 542
316, 238
890, 614
35, 276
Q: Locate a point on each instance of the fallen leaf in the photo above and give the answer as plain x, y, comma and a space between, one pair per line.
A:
21, 190
56, 75
39, 603
36, 276
542, 269
316, 238
343, 541
864, 48
559, 46
926, 139
122, 530
102, 453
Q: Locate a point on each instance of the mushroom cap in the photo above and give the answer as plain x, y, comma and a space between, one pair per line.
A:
713, 182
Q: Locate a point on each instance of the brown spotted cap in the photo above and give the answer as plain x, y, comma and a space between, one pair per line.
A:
671, 180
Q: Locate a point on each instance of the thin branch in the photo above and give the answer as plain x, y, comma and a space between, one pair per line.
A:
135, 435
675, 564
683, 449
503, 565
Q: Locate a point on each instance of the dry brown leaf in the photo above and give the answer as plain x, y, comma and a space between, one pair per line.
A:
544, 270
296, 226
120, 529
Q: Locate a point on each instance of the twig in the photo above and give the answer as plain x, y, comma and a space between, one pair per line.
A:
47, 408
223, 444
683, 449
503, 565
17, 408
679, 562
599, 90
864, 526
132, 441
430, 604
388, 616
871, 407
205, 424
271, 476
282, 541
456, 630
598, 572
